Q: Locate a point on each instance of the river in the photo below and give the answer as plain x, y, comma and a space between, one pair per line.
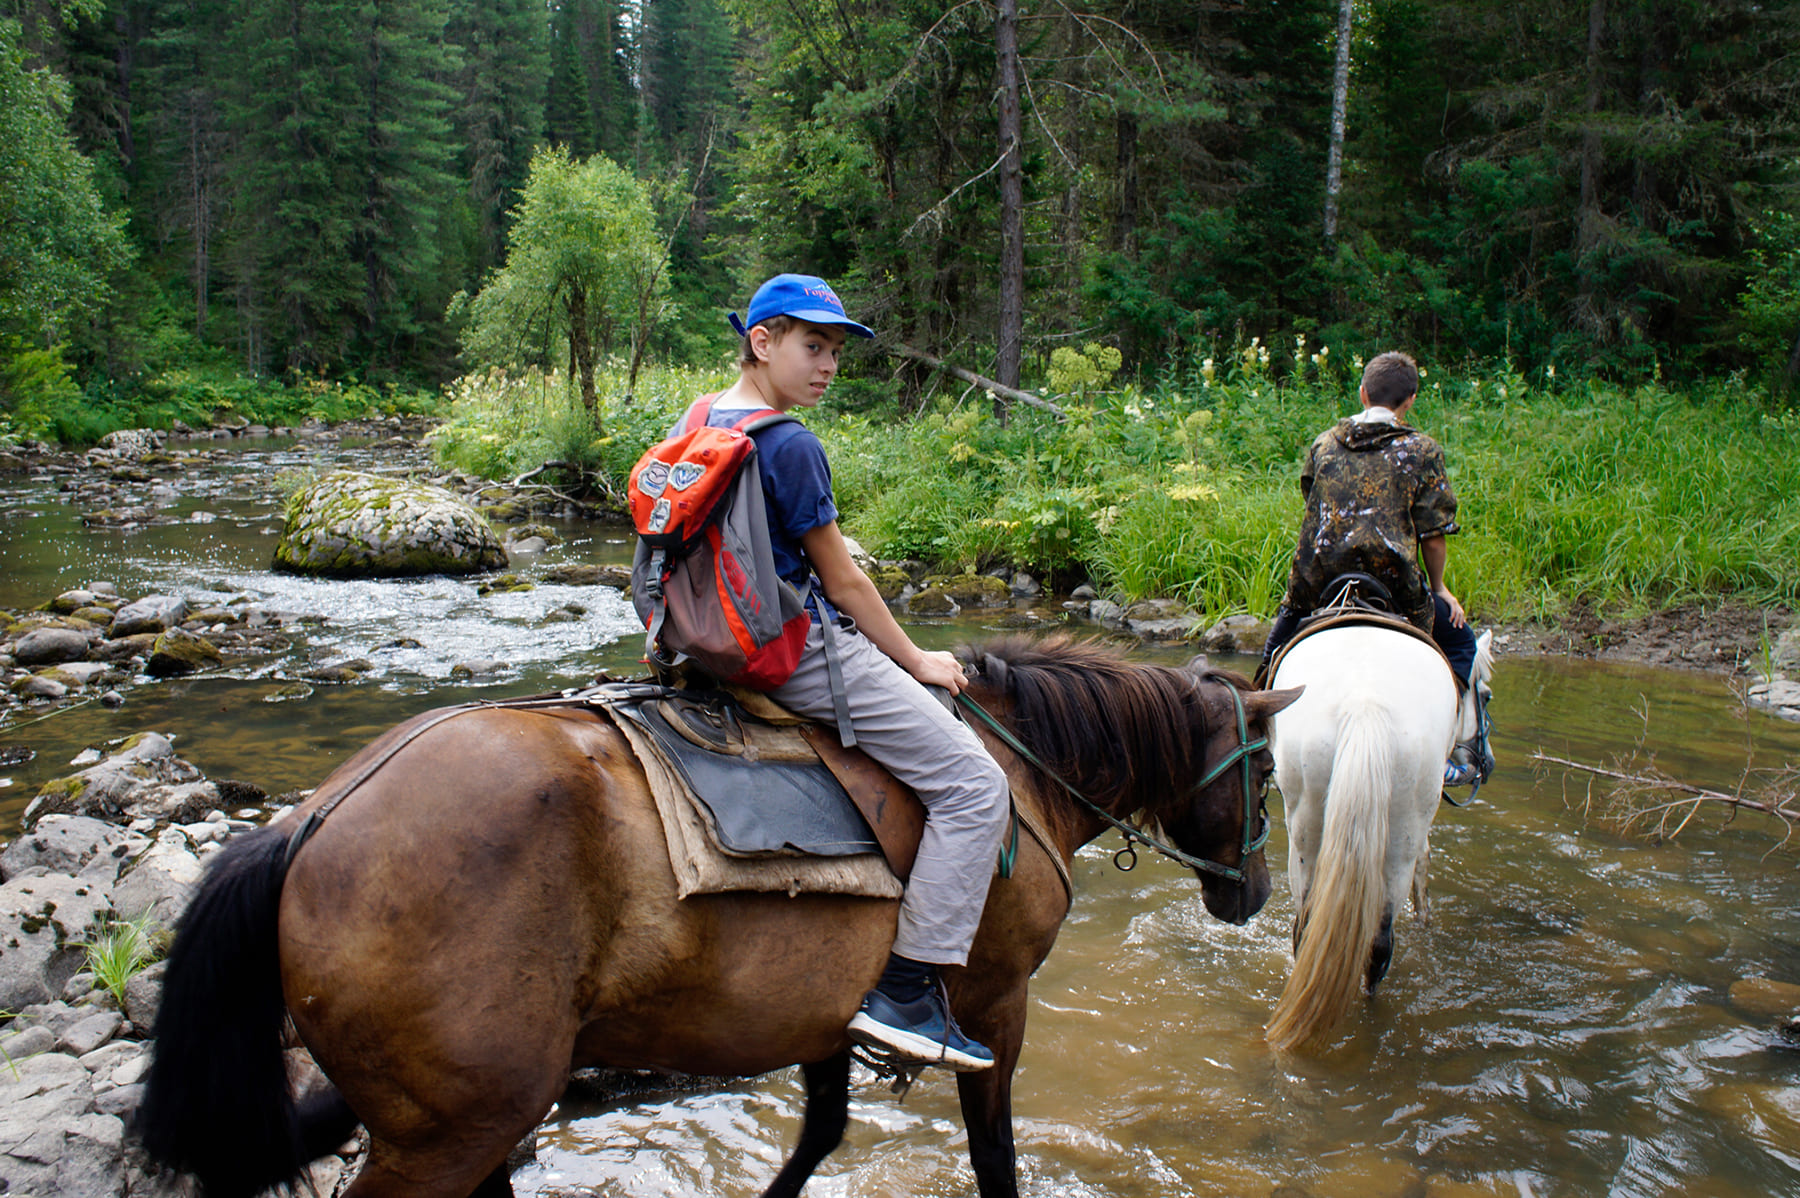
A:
1563, 1026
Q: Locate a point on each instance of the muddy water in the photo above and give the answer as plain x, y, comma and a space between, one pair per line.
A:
1563, 1026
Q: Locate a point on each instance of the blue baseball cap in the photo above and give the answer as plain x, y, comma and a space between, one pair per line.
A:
804, 297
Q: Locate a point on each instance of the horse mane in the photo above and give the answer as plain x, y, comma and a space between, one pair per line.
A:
1125, 734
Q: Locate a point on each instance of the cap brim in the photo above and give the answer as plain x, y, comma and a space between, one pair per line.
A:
822, 316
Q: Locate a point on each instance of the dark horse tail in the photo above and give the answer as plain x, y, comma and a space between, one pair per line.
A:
218, 1102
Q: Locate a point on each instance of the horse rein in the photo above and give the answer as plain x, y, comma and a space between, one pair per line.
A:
1255, 815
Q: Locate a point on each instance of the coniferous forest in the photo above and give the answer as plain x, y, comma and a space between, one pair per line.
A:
326, 190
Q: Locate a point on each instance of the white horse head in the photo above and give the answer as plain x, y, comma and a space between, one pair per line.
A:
1359, 760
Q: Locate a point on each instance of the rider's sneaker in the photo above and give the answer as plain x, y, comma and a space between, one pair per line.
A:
1457, 773
921, 1031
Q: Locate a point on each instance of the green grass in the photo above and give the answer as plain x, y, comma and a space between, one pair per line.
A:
118, 951
1188, 486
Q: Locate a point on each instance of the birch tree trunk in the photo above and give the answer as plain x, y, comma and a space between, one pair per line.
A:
1012, 203
1340, 103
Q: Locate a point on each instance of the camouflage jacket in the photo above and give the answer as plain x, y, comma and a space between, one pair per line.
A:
1373, 490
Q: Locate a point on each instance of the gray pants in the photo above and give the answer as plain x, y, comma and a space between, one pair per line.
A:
903, 726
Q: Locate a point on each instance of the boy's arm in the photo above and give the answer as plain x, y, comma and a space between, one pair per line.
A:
852, 592
1435, 552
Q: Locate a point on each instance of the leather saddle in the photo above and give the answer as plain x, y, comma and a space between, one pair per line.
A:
776, 784
1352, 599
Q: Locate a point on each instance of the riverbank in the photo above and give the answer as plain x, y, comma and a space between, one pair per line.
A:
1724, 636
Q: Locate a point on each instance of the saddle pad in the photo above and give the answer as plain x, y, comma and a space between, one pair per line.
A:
759, 808
701, 868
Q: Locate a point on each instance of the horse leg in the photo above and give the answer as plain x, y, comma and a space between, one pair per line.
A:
1421, 904
1382, 955
986, 1100
821, 1128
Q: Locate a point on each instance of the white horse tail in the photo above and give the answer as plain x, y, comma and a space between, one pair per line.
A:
1342, 909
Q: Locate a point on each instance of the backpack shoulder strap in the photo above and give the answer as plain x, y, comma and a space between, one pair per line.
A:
762, 418
697, 413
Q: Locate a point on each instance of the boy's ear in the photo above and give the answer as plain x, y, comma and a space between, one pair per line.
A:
761, 341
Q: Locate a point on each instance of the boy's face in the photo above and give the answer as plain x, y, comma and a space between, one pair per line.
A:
801, 363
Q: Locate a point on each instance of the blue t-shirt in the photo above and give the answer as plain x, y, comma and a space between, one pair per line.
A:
796, 481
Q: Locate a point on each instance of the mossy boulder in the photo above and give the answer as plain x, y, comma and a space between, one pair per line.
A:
178, 652
354, 525
971, 590
891, 581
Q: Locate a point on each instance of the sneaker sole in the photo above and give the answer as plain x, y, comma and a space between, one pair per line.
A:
911, 1046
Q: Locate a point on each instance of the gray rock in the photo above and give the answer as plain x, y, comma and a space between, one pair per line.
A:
103, 1060
83, 672
478, 669
27, 1042
39, 687
355, 525
1787, 649
72, 600
1024, 586
1105, 611
123, 1101
527, 546
72, 844
1084, 591
143, 994
50, 646
144, 778
177, 652
1236, 634
130, 443
90, 1033
152, 613
43, 921
1778, 695
160, 882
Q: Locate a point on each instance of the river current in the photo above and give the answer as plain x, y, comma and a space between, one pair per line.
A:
1564, 1026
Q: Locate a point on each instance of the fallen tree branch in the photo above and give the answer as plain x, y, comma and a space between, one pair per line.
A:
1776, 802
969, 376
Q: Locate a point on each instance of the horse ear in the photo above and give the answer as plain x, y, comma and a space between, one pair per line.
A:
1260, 705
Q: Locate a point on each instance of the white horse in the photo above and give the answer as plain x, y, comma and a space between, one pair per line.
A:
1359, 760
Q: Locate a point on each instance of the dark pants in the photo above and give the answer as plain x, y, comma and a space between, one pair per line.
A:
1458, 644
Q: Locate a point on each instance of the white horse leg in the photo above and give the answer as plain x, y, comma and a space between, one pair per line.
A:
1421, 902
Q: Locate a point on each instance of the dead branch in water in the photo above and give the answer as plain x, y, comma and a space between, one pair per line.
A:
1631, 803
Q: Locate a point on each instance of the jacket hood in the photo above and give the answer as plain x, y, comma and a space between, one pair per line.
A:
1358, 435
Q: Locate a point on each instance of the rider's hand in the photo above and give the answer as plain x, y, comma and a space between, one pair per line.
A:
1457, 619
940, 668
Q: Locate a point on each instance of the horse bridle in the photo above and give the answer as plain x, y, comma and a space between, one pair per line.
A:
1255, 810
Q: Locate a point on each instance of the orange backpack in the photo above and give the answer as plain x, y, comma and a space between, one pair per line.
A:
703, 575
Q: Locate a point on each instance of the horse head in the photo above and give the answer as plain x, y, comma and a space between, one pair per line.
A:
1184, 748
1224, 821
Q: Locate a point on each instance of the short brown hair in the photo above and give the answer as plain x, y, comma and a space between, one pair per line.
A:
1390, 379
778, 327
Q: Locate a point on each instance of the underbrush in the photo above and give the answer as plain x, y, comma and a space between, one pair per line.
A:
201, 398
1188, 487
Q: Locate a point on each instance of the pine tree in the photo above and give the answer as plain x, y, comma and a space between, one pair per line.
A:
500, 109
568, 111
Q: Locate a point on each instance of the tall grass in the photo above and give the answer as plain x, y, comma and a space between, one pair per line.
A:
1189, 486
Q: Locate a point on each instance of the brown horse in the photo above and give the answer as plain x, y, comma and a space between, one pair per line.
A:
492, 905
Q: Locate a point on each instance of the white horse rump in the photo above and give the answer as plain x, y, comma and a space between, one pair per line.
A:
1359, 760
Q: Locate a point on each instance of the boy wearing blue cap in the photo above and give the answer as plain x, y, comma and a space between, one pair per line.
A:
795, 330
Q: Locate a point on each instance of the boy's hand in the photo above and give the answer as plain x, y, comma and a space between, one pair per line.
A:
940, 668
1457, 619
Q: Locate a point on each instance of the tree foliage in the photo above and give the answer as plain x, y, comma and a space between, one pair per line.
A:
1599, 184
587, 273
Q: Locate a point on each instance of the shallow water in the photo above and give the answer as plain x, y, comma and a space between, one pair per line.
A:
1562, 1027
